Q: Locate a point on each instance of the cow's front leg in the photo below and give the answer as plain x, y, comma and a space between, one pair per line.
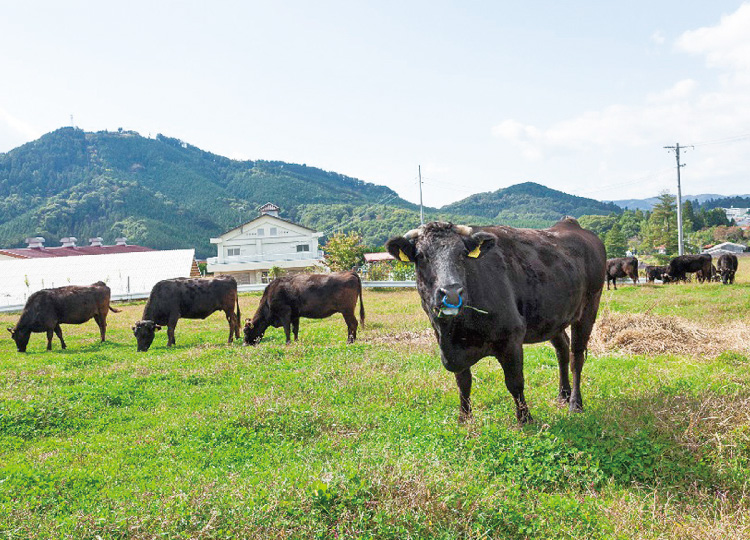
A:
171, 325
49, 340
512, 363
463, 380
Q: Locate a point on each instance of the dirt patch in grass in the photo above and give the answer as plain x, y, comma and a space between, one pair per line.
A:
647, 334
417, 339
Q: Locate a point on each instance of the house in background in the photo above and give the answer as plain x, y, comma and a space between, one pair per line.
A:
249, 251
725, 247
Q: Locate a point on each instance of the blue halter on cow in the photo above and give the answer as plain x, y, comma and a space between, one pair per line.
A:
489, 290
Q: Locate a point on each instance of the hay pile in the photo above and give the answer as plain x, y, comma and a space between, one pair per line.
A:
647, 334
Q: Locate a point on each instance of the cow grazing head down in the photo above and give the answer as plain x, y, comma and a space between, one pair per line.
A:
441, 252
251, 334
144, 332
21, 337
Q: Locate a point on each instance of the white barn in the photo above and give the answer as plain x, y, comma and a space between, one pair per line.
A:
129, 275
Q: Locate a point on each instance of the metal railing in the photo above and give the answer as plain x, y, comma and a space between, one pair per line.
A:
255, 287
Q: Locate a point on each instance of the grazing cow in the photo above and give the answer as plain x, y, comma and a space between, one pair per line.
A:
727, 267
679, 267
45, 310
621, 267
714, 276
189, 298
656, 272
314, 296
489, 290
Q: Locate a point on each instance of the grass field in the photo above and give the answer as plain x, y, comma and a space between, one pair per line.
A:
323, 440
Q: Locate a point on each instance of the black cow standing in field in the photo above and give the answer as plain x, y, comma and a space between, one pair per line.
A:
656, 272
621, 267
727, 267
314, 296
489, 290
680, 266
45, 310
189, 298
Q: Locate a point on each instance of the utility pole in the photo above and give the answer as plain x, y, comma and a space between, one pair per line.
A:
680, 245
421, 210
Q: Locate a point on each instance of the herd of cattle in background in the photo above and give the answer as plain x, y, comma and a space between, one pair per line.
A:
486, 290
677, 269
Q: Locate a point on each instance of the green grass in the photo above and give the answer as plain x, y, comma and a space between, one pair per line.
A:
323, 440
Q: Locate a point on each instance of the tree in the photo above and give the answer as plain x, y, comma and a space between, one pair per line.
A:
344, 251
615, 243
662, 224
599, 225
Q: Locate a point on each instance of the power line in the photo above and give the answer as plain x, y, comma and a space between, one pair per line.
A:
725, 140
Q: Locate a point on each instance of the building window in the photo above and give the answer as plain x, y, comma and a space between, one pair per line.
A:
233, 252
272, 232
303, 247
261, 232
264, 277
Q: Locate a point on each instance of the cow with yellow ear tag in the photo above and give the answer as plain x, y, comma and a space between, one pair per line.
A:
489, 290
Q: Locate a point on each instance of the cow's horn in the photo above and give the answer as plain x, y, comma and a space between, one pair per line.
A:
10, 329
463, 230
413, 233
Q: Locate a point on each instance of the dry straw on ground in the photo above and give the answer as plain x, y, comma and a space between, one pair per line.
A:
643, 333
639, 333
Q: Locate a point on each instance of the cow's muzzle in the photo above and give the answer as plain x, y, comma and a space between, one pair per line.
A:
449, 300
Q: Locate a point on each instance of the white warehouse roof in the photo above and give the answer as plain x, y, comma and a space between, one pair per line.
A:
127, 274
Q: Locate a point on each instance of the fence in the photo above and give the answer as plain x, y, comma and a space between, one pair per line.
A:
241, 288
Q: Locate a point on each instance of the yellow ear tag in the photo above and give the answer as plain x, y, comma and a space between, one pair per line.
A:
402, 256
474, 253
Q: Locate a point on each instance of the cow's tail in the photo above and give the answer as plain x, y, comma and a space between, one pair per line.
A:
239, 317
113, 309
361, 304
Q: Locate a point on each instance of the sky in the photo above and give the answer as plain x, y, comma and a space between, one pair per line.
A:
579, 96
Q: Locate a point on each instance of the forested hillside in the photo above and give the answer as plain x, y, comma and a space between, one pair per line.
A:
160, 192
528, 205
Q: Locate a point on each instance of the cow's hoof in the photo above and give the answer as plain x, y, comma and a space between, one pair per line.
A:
465, 418
576, 408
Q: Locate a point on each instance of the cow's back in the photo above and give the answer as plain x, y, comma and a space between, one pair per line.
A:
547, 275
191, 298
315, 295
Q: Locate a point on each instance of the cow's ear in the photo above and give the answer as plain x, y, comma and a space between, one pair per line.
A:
479, 244
401, 249
10, 329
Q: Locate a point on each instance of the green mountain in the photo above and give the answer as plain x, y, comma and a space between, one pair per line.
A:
161, 192
528, 205
166, 194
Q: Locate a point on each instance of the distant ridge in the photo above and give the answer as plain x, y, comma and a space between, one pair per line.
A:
648, 204
529, 205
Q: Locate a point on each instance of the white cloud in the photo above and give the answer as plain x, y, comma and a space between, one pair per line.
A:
679, 111
18, 128
726, 45
658, 38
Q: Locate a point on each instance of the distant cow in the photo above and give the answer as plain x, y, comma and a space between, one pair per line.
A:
489, 290
681, 265
727, 267
656, 272
314, 296
714, 276
621, 267
189, 298
45, 310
